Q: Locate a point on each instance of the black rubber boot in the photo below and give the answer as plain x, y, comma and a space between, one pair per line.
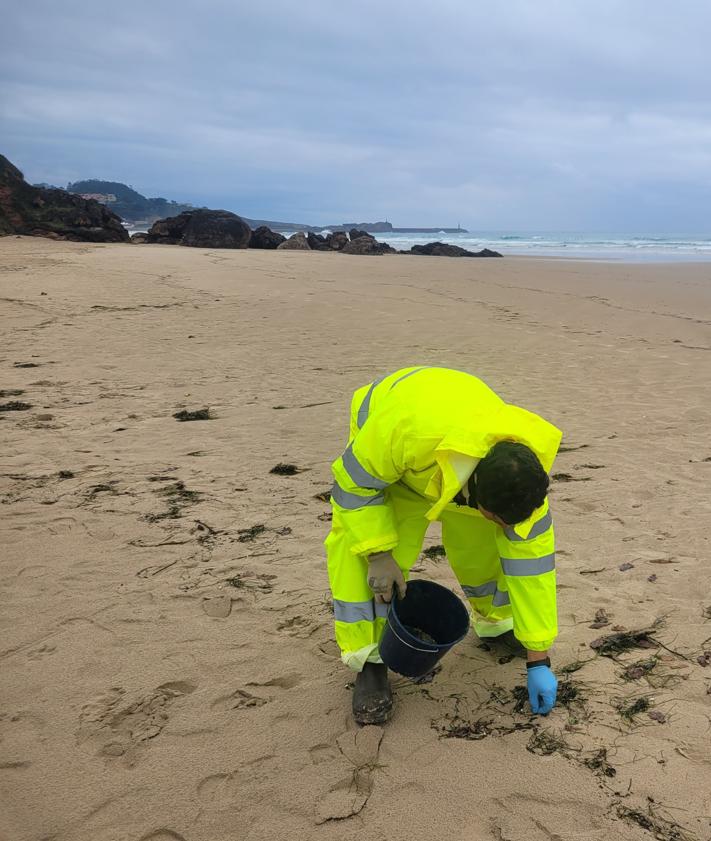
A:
372, 698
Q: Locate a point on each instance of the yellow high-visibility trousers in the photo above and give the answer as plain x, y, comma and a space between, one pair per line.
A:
470, 545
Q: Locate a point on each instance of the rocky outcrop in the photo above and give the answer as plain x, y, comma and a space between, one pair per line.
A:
354, 233
337, 241
56, 214
317, 242
296, 242
264, 237
202, 229
366, 244
139, 238
444, 249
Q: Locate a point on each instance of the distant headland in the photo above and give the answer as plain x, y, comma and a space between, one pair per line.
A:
136, 209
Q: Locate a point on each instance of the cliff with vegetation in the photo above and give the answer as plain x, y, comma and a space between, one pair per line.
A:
56, 214
126, 202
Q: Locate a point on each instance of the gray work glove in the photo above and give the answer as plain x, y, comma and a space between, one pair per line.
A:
383, 574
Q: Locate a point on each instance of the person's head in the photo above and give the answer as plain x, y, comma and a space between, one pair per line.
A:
509, 483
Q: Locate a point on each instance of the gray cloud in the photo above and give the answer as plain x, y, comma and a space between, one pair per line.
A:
531, 115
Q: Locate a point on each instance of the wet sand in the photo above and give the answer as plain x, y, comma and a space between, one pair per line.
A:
168, 669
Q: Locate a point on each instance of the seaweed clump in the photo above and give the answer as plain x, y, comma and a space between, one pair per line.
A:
660, 828
639, 669
569, 668
178, 497
15, 406
598, 763
433, 552
282, 469
546, 742
193, 415
612, 644
248, 535
631, 708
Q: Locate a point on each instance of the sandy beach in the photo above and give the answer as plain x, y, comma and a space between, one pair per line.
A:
167, 668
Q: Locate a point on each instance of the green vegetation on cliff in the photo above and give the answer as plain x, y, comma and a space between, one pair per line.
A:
126, 202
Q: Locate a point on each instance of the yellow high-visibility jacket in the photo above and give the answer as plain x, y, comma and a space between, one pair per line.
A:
417, 427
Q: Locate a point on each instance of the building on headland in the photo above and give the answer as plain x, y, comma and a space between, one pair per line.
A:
104, 198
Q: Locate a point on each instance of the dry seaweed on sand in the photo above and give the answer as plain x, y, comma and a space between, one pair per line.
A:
602, 620
178, 497
433, 552
630, 708
520, 697
568, 692
473, 731
323, 496
193, 415
461, 724
95, 490
612, 644
661, 828
248, 535
15, 406
456, 727
569, 668
546, 743
180, 493
639, 669
247, 580
283, 469
11, 392
598, 763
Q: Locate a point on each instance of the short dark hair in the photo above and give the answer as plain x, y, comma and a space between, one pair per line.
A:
510, 482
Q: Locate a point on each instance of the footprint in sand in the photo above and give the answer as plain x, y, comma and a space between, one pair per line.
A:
227, 790
238, 700
323, 753
288, 681
114, 724
42, 651
349, 794
300, 626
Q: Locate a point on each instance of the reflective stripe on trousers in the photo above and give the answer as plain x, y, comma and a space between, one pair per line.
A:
472, 552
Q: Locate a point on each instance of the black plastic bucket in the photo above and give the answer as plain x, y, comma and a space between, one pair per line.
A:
430, 611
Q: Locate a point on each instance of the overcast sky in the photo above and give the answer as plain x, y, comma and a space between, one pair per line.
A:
548, 115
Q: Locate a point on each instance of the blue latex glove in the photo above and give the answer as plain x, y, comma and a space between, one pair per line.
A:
542, 689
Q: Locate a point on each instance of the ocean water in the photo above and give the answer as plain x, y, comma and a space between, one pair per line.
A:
631, 248
616, 247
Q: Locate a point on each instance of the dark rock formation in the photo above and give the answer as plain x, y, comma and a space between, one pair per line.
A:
139, 238
202, 229
317, 242
264, 237
366, 244
296, 242
25, 209
444, 249
337, 241
354, 233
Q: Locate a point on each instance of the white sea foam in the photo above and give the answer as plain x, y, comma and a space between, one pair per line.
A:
562, 244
